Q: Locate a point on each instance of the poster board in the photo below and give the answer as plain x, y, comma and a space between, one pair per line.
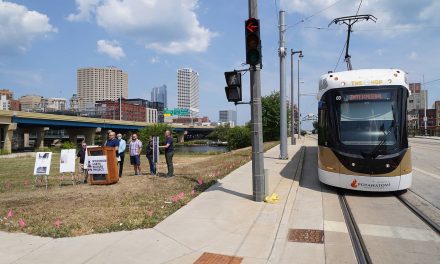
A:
42, 163
86, 157
67, 160
97, 165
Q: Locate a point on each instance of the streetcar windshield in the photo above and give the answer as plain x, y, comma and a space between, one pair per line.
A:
367, 117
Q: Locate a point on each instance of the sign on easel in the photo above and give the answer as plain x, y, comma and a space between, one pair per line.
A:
67, 160
42, 165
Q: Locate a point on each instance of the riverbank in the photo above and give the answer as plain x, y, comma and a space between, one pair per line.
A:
134, 202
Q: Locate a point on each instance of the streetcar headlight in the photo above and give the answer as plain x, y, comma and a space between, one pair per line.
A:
342, 83
353, 164
387, 165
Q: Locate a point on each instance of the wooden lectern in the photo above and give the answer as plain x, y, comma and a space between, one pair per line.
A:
112, 175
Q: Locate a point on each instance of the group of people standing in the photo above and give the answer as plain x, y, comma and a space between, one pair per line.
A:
135, 149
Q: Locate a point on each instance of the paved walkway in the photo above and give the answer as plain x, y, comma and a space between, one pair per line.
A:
222, 220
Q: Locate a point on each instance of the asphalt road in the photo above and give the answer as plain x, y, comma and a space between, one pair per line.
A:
426, 169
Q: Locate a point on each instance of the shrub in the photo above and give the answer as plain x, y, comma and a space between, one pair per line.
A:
239, 137
68, 145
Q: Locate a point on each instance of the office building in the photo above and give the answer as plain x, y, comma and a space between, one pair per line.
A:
188, 91
54, 104
418, 98
228, 116
151, 115
98, 84
7, 101
31, 103
159, 94
111, 109
74, 103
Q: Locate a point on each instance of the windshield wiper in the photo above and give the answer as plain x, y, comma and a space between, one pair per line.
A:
375, 152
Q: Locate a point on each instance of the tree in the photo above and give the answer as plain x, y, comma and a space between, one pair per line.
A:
220, 133
239, 137
154, 130
271, 116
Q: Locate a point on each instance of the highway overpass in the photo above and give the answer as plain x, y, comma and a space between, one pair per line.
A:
23, 123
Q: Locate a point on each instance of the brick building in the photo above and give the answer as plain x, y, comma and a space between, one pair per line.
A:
109, 109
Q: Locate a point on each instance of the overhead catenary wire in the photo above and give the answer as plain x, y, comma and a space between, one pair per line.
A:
312, 15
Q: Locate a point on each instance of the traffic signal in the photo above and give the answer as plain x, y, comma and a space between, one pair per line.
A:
253, 42
233, 88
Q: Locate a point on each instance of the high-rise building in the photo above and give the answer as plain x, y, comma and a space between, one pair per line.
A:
97, 84
188, 91
159, 94
228, 116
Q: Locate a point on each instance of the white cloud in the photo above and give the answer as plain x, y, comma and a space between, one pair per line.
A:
413, 55
154, 60
393, 17
110, 48
164, 26
19, 27
85, 10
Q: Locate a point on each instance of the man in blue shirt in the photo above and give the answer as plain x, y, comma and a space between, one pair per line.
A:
169, 153
112, 141
121, 151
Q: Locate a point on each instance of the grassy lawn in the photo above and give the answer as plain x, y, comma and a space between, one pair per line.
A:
134, 202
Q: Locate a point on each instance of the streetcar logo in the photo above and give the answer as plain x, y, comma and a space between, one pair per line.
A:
354, 183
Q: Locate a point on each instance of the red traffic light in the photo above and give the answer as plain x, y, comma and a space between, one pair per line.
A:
253, 42
252, 25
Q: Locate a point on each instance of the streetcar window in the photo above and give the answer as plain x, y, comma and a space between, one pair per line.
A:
367, 118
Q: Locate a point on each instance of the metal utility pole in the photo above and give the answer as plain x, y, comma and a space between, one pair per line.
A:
258, 177
425, 92
292, 97
299, 112
283, 104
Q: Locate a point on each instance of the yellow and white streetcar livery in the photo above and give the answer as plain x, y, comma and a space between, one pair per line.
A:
362, 133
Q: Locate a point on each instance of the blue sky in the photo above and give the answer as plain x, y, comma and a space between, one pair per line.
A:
42, 43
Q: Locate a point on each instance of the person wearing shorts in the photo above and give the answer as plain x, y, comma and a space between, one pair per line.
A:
135, 154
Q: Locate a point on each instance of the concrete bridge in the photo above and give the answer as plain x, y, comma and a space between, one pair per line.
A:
24, 123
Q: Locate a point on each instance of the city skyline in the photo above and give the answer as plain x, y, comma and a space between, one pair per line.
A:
43, 58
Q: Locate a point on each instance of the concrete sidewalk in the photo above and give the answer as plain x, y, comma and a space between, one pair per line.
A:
222, 220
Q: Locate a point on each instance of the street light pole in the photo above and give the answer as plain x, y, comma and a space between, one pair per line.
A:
292, 97
299, 112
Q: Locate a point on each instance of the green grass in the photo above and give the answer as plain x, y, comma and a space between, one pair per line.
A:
132, 203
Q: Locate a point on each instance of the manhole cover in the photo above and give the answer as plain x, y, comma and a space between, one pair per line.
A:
306, 235
211, 258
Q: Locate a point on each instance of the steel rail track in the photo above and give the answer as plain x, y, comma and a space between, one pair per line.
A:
360, 250
433, 225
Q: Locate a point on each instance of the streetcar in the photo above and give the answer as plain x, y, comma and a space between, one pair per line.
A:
362, 133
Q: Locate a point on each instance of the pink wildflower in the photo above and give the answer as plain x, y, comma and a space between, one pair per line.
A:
58, 223
21, 223
10, 214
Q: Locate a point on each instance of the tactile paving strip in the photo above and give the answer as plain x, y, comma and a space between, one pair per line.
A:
306, 236
211, 258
